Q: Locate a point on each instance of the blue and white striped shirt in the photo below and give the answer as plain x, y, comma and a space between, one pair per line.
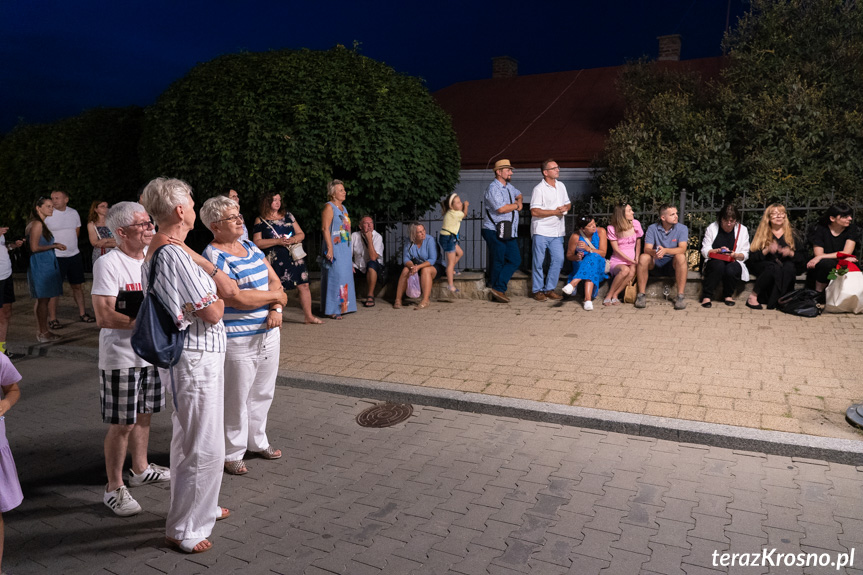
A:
184, 288
250, 272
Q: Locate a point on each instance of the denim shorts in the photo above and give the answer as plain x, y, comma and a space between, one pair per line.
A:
447, 242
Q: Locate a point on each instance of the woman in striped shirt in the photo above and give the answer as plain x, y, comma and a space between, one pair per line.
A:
190, 288
252, 321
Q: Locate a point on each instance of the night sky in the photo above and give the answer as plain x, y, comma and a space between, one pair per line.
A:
58, 58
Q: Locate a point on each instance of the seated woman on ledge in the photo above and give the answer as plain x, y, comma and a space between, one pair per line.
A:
834, 234
420, 257
725, 247
586, 250
773, 257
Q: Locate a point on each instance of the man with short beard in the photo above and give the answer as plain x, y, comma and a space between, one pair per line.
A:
502, 204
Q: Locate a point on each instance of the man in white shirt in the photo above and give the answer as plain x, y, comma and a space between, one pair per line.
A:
131, 390
65, 226
367, 247
7, 290
548, 204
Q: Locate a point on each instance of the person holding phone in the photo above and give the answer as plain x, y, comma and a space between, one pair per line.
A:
725, 248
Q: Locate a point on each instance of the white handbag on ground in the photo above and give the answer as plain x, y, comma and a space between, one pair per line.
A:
845, 292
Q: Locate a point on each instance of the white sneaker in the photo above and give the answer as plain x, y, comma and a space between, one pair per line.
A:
121, 502
153, 474
568, 289
588, 305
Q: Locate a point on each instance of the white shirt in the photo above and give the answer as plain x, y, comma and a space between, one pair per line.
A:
361, 251
741, 248
62, 226
5, 262
113, 272
546, 197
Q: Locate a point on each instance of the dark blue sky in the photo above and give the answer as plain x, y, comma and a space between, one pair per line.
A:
58, 58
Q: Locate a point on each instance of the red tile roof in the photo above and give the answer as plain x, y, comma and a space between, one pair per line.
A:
562, 115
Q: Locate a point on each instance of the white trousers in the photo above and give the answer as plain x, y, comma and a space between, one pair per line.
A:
197, 446
251, 365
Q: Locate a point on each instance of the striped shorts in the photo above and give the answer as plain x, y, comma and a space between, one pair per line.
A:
127, 392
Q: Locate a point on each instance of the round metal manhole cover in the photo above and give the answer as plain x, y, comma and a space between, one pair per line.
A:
385, 414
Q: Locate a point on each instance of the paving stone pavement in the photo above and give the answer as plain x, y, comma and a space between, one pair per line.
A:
446, 492
726, 365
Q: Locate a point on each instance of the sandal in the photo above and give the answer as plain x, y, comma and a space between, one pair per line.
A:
237, 467
615, 301
55, 324
606, 302
269, 453
222, 513
315, 321
86, 318
397, 305
335, 317
188, 545
422, 305
370, 302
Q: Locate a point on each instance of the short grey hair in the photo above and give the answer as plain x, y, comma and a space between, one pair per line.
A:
214, 209
121, 215
162, 195
412, 231
331, 188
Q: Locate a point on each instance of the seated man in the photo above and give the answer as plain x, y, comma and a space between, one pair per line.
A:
664, 255
368, 251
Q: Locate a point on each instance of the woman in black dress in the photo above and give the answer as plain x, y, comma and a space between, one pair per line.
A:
774, 255
276, 229
834, 234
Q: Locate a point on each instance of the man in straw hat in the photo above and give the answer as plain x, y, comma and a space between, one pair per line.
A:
500, 229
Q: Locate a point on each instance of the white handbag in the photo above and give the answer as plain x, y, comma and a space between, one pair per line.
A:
845, 293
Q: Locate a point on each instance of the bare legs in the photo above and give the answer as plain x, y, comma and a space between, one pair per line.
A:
452, 259
119, 438
427, 275
622, 278
40, 308
306, 304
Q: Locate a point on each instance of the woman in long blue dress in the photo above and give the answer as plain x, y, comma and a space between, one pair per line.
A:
337, 277
43, 276
586, 251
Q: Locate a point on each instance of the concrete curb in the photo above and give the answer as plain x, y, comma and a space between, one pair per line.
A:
845, 451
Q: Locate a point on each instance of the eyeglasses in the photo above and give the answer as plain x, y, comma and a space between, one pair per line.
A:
553, 168
145, 226
235, 218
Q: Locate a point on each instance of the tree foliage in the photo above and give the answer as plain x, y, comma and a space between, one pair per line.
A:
783, 122
93, 155
291, 120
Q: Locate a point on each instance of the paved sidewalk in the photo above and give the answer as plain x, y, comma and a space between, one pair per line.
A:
762, 370
445, 492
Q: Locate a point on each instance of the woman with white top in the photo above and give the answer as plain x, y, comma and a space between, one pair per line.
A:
725, 248
252, 321
190, 288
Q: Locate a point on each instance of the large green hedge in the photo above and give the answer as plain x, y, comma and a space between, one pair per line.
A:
291, 120
93, 155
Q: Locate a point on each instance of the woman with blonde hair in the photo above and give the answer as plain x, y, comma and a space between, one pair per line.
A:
100, 234
337, 270
623, 233
774, 254
419, 257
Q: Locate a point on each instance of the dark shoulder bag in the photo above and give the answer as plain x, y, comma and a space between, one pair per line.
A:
503, 228
155, 337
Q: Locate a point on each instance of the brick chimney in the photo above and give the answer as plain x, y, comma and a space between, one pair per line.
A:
669, 47
504, 67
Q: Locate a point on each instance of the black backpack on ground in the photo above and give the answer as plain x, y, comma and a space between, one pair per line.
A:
801, 302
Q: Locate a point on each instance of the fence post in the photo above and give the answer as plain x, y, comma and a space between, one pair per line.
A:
682, 203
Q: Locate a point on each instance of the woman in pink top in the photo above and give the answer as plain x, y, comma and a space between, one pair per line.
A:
623, 234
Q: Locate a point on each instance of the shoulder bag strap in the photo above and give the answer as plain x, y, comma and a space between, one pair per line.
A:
737, 237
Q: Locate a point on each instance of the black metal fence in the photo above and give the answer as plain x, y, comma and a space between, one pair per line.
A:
696, 215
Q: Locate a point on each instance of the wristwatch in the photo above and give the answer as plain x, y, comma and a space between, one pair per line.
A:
277, 309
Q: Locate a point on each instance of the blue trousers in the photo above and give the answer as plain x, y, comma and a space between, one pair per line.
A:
554, 247
505, 259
